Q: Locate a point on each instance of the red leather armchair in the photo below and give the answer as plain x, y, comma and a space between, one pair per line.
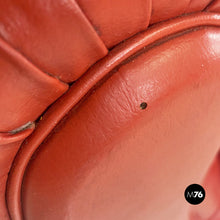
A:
109, 109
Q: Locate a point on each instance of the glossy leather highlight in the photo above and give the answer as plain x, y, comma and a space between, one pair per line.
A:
94, 143
108, 149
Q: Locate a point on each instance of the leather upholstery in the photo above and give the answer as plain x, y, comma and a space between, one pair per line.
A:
106, 149
95, 154
37, 30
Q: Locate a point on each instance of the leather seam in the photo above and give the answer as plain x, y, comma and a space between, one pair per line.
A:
74, 95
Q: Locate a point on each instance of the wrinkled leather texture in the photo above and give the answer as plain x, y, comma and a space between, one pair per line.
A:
108, 149
39, 26
74, 141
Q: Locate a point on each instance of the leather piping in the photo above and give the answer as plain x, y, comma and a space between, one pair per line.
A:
7, 138
80, 89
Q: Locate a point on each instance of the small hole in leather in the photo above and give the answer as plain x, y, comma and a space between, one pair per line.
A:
143, 105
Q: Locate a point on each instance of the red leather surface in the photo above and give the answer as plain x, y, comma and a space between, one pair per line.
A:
214, 6
82, 86
113, 155
54, 35
166, 9
116, 20
116, 153
25, 91
9, 145
3, 209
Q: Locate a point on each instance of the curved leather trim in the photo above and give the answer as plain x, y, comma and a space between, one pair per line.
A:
9, 145
7, 138
81, 87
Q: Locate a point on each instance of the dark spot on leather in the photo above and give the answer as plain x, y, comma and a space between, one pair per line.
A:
143, 105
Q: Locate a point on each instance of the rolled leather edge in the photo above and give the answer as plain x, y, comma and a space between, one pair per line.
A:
9, 145
80, 89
